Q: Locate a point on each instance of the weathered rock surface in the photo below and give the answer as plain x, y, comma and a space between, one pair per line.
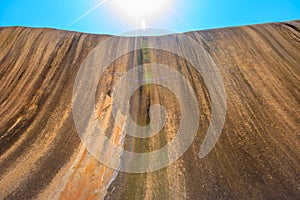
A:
256, 157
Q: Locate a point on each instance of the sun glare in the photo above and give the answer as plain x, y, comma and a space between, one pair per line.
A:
146, 8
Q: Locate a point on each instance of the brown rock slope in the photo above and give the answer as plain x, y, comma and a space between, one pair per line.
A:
256, 157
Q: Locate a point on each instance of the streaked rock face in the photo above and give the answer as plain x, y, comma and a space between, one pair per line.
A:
256, 157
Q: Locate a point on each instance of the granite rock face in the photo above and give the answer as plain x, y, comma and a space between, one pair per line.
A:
256, 157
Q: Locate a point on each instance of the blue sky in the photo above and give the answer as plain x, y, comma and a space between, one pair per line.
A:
179, 15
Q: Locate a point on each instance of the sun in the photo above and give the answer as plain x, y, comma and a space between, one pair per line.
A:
141, 8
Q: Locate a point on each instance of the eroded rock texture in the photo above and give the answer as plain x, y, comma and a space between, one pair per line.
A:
256, 157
